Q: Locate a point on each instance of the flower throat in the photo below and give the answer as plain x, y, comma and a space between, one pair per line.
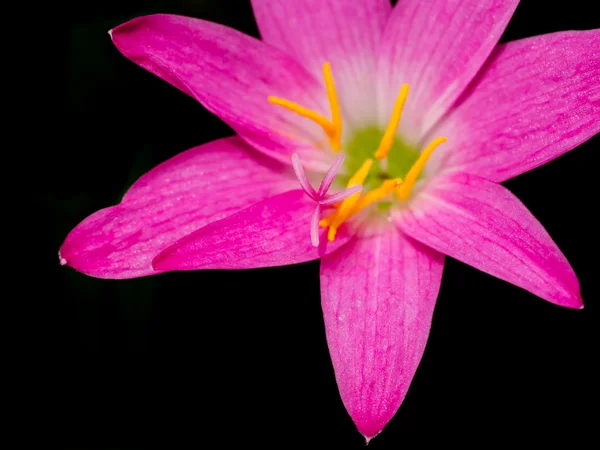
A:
404, 160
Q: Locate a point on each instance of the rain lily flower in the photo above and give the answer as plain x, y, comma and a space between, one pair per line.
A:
431, 115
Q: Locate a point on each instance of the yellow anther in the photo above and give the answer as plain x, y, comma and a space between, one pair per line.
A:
404, 190
377, 194
334, 105
332, 232
348, 204
390, 132
333, 127
326, 221
361, 174
335, 219
304, 112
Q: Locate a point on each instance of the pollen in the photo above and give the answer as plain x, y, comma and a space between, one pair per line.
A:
333, 127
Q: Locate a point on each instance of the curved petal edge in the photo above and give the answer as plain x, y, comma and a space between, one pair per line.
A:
484, 225
273, 232
536, 99
185, 193
378, 295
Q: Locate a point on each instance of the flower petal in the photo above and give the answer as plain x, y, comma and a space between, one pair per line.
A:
378, 295
482, 224
436, 47
232, 75
196, 187
537, 99
274, 232
345, 33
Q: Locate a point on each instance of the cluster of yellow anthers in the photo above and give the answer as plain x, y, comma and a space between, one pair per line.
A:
333, 129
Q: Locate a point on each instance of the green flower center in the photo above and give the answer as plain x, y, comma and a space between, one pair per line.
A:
361, 147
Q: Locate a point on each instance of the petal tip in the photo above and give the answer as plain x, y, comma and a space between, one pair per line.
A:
575, 302
368, 438
369, 435
369, 428
61, 260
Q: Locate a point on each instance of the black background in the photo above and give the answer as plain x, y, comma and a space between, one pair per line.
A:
209, 359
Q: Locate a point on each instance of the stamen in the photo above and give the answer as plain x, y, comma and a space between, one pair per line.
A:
348, 204
333, 128
320, 120
334, 105
377, 194
390, 132
411, 177
361, 174
325, 222
368, 199
333, 198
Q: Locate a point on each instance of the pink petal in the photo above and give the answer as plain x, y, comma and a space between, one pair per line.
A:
437, 47
482, 224
378, 295
196, 187
232, 75
537, 99
345, 33
274, 232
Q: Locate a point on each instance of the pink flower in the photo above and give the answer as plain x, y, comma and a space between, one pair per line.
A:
235, 203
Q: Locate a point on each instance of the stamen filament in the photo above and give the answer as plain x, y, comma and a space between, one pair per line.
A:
361, 174
334, 105
377, 194
325, 222
411, 177
348, 204
320, 120
333, 128
390, 132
